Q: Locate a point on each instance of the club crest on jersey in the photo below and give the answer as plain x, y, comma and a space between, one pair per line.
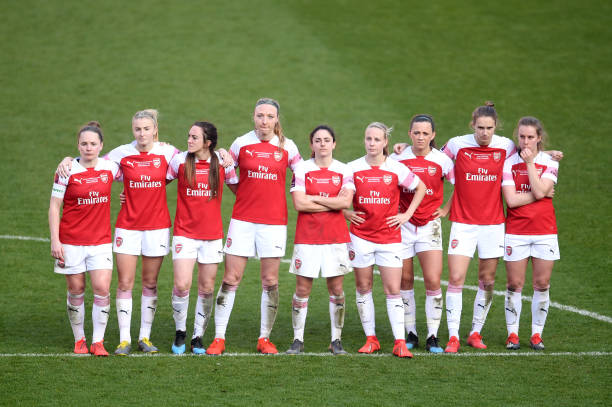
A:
298, 263
278, 155
104, 177
496, 156
228, 242
509, 250
352, 254
454, 243
387, 179
178, 247
119, 241
336, 180
431, 170
156, 162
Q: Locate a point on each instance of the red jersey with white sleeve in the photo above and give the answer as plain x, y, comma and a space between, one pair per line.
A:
144, 181
327, 227
431, 169
261, 197
377, 194
197, 216
536, 218
478, 176
86, 193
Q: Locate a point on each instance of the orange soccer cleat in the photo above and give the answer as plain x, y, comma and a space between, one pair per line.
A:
217, 347
400, 349
453, 345
475, 341
266, 347
371, 345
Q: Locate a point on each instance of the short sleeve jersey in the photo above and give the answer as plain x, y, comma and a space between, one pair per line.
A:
144, 181
431, 169
327, 227
478, 175
536, 218
262, 167
86, 193
197, 215
377, 194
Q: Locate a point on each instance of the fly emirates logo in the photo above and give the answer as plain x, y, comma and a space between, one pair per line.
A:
481, 175
262, 173
374, 198
201, 191
94, 198
145, 182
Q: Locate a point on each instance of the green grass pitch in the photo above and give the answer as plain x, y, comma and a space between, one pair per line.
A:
336, 62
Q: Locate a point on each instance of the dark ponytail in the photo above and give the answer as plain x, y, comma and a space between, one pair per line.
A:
210, 134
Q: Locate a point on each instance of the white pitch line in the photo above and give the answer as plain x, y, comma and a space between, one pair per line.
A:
511, 354
38, 239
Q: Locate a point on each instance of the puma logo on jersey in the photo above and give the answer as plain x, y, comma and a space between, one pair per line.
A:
359, 178
309, 179
469, 155
248, 152
130, 163
78, 180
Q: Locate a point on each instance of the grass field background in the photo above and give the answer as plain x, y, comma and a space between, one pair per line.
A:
337, 62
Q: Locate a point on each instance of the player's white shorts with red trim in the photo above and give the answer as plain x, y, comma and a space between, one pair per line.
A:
248, 239
518, 247
79, 259
206, 251
465, 238
364, 253
416, 239
331, 259
152, 243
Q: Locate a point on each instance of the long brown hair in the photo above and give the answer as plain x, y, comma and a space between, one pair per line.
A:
210, 134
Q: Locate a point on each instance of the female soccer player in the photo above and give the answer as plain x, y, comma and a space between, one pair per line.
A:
143, 224
531, 228
376, 235
422, 235
198, 229
259, 219
322, 187
81, 240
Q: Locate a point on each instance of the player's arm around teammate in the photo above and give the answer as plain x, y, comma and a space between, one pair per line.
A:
321, 188
531, 230
81, 239
375, 233
422, 235
259, 219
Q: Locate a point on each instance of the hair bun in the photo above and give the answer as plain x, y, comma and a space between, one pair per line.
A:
489, 103
94, 123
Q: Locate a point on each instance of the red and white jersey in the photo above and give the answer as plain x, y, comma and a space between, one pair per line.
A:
431, 169
536, 218
198, 216
86, 194
144, 181
321, 227
377, 194
261, 197
478, 176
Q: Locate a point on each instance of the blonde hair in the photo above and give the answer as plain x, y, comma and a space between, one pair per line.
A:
150, 114
387, 132
278, 129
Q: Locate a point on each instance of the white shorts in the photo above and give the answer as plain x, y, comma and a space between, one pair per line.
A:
249, 239
152, 243
206, 251
364, 253
464, 239
79, 259
331, 259
416, 239
518, 247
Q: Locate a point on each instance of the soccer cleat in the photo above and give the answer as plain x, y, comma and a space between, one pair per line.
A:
123, 349
400, 349
80, 346
475, 341
178, 347
512, 343
412, 341
216, 347
197, 347
536, 342
432, 345
371, 345
266, 347
296, 348
97, 349
453, 345
146, 346
336, 348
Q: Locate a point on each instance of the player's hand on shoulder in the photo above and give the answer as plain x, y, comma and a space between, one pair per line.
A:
63, 169
399, 147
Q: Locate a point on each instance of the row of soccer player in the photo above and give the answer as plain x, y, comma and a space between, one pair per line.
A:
323, 190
